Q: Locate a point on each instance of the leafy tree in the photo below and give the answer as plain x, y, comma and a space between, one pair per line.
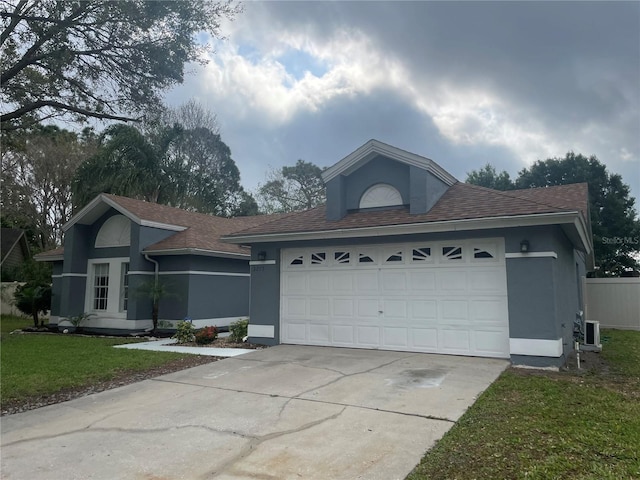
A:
127, 164
34, 296
614, 222
189, 168
293, 188
616, 228
32, 299
36, 181
97, 59
489, 178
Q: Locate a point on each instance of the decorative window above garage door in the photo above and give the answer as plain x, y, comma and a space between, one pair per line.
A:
380, 195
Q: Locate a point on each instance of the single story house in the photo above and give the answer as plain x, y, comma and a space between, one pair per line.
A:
405, 257
116, 246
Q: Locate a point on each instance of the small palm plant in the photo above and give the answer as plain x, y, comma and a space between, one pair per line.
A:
155, 290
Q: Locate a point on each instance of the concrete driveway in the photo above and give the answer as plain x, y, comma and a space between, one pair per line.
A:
281, 413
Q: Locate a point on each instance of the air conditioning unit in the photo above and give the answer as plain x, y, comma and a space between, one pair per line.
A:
592, 335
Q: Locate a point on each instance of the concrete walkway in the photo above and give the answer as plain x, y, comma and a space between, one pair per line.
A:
286, 412
167, 345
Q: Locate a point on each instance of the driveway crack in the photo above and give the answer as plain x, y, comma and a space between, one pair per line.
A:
257, 441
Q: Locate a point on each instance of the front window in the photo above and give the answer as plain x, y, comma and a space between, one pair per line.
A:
124, 286
100, 286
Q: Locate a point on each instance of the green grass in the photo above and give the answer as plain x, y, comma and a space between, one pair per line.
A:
9, 323
543, 425
39, 364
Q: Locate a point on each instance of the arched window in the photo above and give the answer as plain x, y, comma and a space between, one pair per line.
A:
115, 232
380, 195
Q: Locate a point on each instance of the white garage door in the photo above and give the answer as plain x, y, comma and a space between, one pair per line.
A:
441, 297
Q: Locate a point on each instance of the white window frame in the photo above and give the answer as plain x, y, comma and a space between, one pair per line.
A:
98, 289
114, 289
380, 195
114, 232
124, 287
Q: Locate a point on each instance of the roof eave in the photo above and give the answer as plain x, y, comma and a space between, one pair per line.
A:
563, 218
48, 258
195, 251
102, 198
374, 147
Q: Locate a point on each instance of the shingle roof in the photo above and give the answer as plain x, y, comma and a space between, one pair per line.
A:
201, 232
461, 201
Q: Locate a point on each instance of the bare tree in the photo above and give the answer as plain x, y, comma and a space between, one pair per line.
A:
36, 181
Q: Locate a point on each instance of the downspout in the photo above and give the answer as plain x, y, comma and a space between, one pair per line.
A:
155, 283
156, 269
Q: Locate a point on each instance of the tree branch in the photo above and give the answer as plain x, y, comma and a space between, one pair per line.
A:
14, 22
61, 106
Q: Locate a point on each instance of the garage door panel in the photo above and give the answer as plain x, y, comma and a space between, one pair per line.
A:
343, 307
454, 311
424, 309
368, 307
454, 340
394, 281
319, 282
295, 307
343, 334
422, 281
367, 281
395, 337
395, 309
319, 333
368, 336
424, 297
319, 307
487, 312
295, 282
425, 339
295, 332
452, 281
343, 283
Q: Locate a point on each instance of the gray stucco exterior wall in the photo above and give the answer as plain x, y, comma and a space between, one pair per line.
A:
264, 308
199, 287
56, 290
378, 170
426, 190
419, 188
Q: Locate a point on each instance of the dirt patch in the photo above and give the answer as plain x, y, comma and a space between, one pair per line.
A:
590, 363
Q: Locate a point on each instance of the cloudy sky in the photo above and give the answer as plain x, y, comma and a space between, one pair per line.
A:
461, 83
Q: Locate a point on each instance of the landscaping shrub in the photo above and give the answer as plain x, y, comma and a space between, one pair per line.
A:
206, 335
238, 330
185, 332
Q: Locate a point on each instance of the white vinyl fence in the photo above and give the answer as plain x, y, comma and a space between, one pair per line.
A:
7, 306
614, 302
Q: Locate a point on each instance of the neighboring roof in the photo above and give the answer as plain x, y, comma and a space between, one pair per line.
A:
463, 206
196, 233
11, 238
374, 148
54, 255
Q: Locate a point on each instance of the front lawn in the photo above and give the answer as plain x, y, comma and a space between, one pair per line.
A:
546, 425
35, 367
